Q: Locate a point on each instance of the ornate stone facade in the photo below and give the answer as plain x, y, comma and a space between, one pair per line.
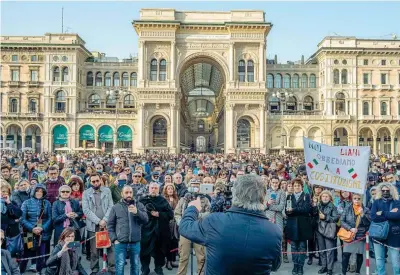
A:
201, 81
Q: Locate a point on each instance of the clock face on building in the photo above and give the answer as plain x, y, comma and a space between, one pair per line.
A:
55, 58
64, 58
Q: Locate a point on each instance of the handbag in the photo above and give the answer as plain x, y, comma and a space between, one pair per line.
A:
102, 239
15, 245
173, 227
346, 235
380, 230
327, 229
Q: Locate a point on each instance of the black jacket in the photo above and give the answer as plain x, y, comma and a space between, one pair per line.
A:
20, 196
299, 226
238, 242
124, 226
53, 263
181, 189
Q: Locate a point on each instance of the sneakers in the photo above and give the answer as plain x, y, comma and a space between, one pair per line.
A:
32, 268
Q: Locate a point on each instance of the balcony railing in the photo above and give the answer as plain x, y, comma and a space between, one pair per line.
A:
33, 83
14, 83
21, 115
385, 87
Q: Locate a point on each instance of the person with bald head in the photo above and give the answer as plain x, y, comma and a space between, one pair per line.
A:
155, 233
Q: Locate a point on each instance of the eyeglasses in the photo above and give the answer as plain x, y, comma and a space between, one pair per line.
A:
137, 176
65, 191
201, 175
95, 181
127, 170
385, 191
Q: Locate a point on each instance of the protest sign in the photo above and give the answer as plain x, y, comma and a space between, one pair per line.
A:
337, 167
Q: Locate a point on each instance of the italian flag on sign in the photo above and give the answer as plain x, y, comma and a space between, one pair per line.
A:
311, 164
352, 173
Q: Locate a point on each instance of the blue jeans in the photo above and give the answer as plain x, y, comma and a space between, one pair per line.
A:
121, 249
380, 259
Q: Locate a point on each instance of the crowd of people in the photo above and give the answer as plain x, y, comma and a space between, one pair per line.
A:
50, 201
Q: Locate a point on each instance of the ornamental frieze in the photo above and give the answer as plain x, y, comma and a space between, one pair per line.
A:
204, 46
157, 34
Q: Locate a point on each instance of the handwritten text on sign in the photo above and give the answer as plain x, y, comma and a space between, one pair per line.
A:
337, 167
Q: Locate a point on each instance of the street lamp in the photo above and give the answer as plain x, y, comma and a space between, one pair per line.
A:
116, 93
283, 95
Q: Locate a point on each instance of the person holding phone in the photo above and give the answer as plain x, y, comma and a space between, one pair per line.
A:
124, 226
275, 199
64, 258
116, 188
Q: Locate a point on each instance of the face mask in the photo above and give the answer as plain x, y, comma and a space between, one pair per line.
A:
386, 195
99, 171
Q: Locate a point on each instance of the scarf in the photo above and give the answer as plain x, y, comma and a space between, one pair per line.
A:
68, 209
69, 262
76, 195
357, 209
297, 195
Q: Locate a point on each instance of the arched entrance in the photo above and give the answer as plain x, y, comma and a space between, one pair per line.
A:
366, 138
397, 140
315, 134
244, 133
87, 136
384, 141
33, 138
60, 136
340, 137
159, 133
296, 138
13, 137
202, 78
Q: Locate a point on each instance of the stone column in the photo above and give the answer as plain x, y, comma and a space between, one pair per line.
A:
4, 140
177, 128
375, 145
34, 142
16, 140
96, 141
23, 136
231, 61
392, 144
173, 127
142, 61
115, 136
262, 128
172, 60
261, 75
229, 131
141, 130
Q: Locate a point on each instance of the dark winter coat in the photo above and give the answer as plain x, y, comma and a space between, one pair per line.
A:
8, 223
393, 218
59, 216
298, 222
235, 241
348, 221
20, 196
124, 226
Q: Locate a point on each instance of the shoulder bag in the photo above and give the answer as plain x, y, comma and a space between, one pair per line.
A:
380, 230
346, 235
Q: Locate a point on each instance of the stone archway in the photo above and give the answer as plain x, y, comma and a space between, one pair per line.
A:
201, 78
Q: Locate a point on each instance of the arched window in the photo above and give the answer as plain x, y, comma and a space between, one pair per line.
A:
242, 71
94, 101
286, 81
116, 79
129, 101
344, 76
340, 103
313, 81
365, 108
14, 105
125, 79
163, 70
291, 104
270, 81
160, 133
153, 70
335, 76
133, 80
56, 74
65, 74
304, 80
107, 79
295, 81
200, 125
308, 103
274, 104
110, 101
60, 102
383, 108
89, 79
278, 81
243, 133
250, 71
99, 79
32, 107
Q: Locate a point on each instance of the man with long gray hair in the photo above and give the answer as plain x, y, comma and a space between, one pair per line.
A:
240, 241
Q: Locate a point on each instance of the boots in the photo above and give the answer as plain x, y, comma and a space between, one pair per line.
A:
330, 272
295, 269
309, 262
322, 270
300, 270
